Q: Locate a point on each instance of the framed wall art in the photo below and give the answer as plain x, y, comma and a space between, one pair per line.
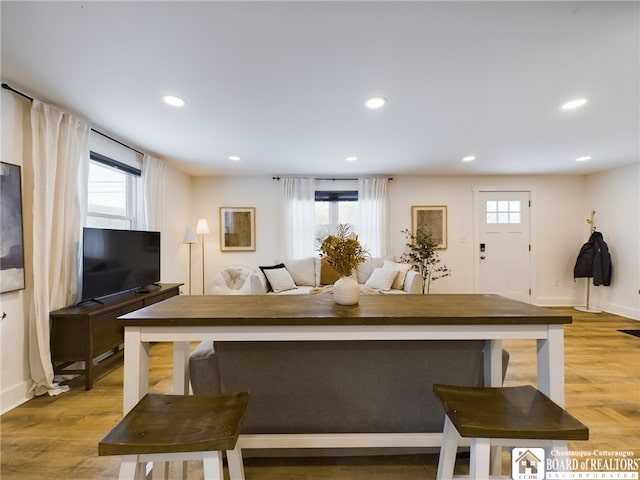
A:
432, 219
11, 237
237, 229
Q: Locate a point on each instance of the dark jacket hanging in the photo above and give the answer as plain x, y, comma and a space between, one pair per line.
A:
594, 261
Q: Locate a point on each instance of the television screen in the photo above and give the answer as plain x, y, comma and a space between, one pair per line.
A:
118, 260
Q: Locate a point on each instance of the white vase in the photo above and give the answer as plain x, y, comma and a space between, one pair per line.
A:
346, 291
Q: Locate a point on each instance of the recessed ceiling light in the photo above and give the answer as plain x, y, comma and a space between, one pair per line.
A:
234, 158
469, 158
583, 159
352, 158
573, 104
375, 102
173, 100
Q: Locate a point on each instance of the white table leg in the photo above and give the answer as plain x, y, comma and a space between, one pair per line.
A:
551, 364
181, 352
493, 363
136, 368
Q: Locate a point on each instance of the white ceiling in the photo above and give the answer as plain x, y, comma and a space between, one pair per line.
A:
282, 84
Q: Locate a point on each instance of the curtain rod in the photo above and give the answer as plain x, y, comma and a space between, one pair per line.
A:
24, 95
333, 179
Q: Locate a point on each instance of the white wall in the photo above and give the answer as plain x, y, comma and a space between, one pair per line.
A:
558, 219
615, 196
211, 193
556, 227
176, 211
14, 364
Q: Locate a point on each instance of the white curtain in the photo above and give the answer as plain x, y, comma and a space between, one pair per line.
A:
298, 217
60, 164
373, 215
153, 171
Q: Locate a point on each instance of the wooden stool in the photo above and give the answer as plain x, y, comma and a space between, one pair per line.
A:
163, 428
499, 416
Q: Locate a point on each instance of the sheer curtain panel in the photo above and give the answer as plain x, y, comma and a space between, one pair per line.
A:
153, 171
373, 215
298, 217
60, 162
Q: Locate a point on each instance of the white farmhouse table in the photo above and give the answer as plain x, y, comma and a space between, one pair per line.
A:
184, 319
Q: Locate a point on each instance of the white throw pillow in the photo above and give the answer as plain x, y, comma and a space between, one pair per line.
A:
302, 271
279, 279
365, 268
402, 269
381, 279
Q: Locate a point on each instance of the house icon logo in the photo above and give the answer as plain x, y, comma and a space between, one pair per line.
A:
527, 464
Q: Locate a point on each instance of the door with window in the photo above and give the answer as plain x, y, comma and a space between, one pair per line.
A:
504, 251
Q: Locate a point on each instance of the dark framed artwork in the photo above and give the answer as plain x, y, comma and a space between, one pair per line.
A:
431, 219
11, 237
237, 229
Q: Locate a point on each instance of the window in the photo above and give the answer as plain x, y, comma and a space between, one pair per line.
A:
333, 208
503, 211
112, 193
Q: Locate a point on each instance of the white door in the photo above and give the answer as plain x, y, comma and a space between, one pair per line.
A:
504, 249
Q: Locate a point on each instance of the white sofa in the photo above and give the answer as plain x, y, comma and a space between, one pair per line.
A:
306, 275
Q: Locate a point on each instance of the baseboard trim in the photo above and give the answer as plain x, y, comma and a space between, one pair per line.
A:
622, 311
15, 396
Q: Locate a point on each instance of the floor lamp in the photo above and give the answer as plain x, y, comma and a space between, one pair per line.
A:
190, 238
202, 229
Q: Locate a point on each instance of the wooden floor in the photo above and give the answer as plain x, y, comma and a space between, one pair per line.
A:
57, 437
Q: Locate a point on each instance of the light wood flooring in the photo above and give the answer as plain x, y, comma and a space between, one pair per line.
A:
57, 437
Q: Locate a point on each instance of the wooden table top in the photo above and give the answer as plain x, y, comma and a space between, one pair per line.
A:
298, 310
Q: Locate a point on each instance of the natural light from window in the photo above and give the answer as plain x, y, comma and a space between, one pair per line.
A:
503, 211
111, 197
329, 214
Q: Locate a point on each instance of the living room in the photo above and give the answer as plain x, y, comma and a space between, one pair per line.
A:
562, 201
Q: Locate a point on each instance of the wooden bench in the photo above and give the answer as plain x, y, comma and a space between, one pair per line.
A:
162, 428
499, 416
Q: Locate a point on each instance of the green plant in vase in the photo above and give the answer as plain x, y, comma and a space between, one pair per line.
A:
423, 255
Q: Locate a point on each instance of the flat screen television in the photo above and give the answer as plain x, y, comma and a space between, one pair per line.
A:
115, 261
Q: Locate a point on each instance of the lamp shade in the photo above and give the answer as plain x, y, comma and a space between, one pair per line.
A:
190, 236
203, 227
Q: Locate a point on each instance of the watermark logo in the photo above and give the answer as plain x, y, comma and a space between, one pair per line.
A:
527, 464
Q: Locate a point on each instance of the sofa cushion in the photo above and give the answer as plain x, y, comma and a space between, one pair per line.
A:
402, 269
279, 279
304, 289
302, 271
364, 270
381, 279
328, 274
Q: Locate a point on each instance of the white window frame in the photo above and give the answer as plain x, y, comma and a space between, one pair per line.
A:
132, 177
334, 212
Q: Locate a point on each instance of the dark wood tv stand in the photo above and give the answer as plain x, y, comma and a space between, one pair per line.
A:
90, 333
